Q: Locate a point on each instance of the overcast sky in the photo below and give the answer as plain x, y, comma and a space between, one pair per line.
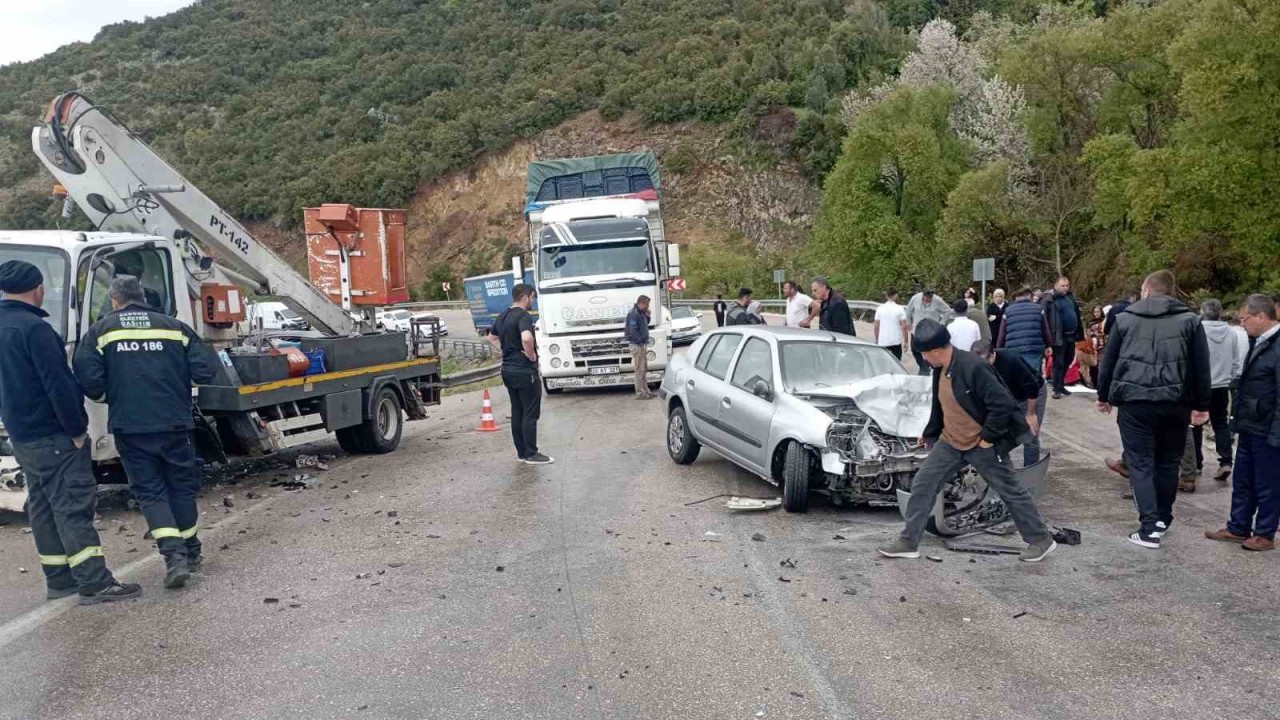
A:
32, 28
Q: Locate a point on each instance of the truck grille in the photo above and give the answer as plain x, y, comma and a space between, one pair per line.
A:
603, 347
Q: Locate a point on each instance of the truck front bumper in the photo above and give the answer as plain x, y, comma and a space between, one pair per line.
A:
577, 381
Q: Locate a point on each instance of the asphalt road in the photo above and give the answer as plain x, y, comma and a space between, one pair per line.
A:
447, 581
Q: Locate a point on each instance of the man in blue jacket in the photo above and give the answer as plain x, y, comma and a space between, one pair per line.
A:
43, 412
1025, 330
638, 340
142, 363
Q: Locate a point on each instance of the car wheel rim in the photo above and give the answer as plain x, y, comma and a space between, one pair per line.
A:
675, 434
388, 418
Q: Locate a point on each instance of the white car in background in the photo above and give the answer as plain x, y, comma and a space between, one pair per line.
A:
429, 329
686, 325
401, 320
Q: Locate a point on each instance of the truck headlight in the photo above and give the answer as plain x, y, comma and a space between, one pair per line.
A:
555, 349
555, 362
651, 355
651, 341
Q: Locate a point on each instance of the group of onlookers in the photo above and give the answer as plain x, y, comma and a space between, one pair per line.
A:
1166, 370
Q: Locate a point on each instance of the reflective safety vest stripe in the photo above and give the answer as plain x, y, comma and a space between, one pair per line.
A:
89, 552
53, 560
165, 532
140, 334
189, 532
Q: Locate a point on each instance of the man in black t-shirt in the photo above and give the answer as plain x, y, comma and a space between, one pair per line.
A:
513, 333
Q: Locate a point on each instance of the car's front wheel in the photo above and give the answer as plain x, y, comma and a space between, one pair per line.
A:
681, 444
795, 479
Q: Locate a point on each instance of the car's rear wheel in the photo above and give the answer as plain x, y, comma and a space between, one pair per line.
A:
795, 479
681, 444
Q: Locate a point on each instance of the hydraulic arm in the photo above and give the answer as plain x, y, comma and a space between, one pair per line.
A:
124, 186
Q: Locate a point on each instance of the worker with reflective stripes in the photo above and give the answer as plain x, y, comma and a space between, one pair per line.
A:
43, 413
143, 364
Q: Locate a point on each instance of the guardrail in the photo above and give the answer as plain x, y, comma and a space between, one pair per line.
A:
432, 305
467, 349
857, 307
466, 377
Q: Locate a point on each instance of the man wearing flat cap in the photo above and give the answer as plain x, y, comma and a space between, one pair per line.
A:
43, 412
975, 421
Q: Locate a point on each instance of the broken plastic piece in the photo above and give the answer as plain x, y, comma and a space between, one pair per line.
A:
748, 503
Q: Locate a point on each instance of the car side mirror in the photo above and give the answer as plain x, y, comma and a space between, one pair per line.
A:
761, 389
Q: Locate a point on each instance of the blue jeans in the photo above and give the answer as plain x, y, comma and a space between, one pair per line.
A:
1255, 489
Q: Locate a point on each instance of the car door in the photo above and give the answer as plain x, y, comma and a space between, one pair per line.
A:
744, 417
706, 386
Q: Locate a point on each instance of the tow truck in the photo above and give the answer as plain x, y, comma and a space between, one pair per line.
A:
197, 263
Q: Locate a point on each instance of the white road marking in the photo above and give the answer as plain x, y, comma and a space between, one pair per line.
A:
29, 622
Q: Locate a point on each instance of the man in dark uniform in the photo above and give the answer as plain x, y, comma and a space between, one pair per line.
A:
721, 309
43, 412
513, 334
143, 363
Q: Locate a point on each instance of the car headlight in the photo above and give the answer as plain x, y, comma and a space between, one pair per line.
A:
555, 349
555, 362
651, 355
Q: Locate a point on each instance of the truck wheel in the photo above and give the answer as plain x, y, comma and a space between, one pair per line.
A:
551, 390
380, 434
681, 444
795, 479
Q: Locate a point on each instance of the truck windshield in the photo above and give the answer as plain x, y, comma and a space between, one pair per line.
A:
55, 267
603, 246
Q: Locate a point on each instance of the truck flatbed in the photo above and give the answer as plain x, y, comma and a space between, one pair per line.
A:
243, 398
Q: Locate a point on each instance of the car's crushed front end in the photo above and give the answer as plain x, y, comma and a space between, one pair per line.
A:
871, 448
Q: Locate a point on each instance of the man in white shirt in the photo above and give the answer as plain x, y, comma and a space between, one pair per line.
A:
891, 324
964, 332
801, 309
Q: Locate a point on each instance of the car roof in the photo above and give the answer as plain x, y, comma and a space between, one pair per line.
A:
789, 334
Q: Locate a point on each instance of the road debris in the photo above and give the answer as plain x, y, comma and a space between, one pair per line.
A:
934, 558
838, 537
788, 563
270, 600
710, 536
22, 571
750, 503
758, 537
783, 579
500, 568
228, 502
1021, 614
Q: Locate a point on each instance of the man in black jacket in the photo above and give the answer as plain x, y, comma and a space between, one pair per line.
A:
1027, 387
1255, 492
834, 313
975, 421
1155, 369
637, 333
1065, 328
43, 413
142, 364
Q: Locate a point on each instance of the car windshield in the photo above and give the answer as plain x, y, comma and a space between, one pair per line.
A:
401, 315
808, 365
681, 313
289, 314
54, 266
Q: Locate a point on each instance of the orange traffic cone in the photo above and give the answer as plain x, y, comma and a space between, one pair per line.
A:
486, 416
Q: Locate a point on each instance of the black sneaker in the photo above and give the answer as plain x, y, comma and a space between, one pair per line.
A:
1144, 539
178, 572
113, 592
539, 459
1162, 527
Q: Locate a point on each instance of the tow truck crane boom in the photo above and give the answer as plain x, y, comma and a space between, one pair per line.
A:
124, 186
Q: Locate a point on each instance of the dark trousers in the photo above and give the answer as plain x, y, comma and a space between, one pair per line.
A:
165, 476
895, 349
943, 463
1219, 418
1062, 356
922, 367
1031, 450
61, 495
1255, 488
1154, 436
525, 391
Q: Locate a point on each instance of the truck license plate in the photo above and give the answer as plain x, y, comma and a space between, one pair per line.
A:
613, 370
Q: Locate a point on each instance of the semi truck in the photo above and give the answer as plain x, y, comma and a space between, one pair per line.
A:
597, 240
489, 295
197, 263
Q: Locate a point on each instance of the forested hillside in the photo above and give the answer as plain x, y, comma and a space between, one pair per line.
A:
1101, 137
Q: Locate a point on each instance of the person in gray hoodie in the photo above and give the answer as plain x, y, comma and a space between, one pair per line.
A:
1226, 362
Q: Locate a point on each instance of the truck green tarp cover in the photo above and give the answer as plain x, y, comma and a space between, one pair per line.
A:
573, 178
